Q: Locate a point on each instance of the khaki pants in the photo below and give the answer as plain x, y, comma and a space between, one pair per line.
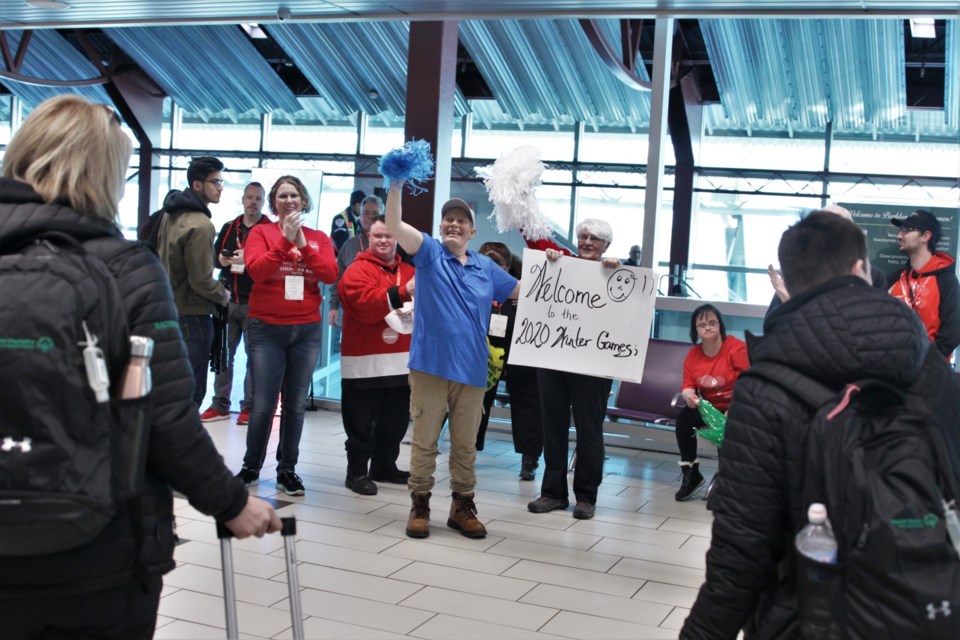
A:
431, 399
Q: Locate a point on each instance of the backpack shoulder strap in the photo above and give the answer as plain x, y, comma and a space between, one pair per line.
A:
804, 387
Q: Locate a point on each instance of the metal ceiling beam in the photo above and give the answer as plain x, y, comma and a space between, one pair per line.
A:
625, 69
904, 9
14, 63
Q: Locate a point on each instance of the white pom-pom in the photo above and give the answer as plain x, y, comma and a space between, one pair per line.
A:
511, 186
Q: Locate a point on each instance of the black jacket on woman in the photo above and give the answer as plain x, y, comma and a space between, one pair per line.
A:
839, 332
181, 454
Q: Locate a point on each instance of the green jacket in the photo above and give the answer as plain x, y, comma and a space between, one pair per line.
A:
186, 250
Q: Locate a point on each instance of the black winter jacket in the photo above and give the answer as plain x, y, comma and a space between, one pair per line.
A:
839, 332
181, 455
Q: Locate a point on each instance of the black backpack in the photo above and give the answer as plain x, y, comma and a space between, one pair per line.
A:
58, 469
150, 231
877, 460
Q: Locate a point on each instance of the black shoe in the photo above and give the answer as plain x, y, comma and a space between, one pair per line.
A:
249, 476
361, 484
584, 510
528, 467
392, 477
692, 480
544, 504
290, 483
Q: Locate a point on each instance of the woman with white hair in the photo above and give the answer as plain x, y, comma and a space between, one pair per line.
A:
586, 396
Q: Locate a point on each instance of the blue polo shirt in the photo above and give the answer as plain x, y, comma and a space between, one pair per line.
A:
453, 303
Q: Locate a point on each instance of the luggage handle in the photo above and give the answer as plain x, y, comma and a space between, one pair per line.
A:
288, 531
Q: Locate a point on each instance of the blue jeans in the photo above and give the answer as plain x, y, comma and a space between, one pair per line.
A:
282, 359
197, 334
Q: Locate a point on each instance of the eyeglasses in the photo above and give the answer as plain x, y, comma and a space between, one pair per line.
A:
589, 238
710, 324
216, 183
906, 230
112, 112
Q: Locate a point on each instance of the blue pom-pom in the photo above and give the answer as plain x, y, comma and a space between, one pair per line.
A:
411, 164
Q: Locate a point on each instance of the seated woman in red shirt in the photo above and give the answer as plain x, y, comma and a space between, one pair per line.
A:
710, 370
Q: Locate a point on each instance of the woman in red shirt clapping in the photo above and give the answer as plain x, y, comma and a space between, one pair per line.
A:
709, 372
287, 262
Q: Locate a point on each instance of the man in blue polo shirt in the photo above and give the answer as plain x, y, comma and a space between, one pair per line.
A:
448, 355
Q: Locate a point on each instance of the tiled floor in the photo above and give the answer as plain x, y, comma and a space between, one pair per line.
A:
631, 572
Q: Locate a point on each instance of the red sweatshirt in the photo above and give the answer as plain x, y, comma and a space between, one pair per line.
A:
369, 290
270, 258
714, 376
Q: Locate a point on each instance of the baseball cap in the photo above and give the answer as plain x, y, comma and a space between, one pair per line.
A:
922, 220
457, 203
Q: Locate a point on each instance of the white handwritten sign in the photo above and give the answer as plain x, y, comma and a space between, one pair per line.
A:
578, 316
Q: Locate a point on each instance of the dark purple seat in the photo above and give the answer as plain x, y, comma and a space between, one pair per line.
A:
652, 399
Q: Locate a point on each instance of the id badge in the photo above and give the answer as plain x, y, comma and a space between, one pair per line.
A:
498, 325
237, 268
293, 288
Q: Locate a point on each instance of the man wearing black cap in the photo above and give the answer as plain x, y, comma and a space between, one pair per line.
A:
346, 224
928, 283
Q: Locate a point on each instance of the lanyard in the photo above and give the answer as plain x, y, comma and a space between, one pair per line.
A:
913, 290
238, 227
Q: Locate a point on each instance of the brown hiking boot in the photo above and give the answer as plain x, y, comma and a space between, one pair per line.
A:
418, 524
463, 516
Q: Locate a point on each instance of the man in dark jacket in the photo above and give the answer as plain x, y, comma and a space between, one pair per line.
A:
928, 283
837, 329
185, 246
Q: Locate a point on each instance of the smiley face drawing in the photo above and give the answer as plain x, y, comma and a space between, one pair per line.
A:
621, 284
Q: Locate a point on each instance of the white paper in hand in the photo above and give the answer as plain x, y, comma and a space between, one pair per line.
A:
401, 322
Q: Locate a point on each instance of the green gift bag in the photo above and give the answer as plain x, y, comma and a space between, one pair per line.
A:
715, 421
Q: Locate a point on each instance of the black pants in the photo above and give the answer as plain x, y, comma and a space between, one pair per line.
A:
687, 422
128, 612
587, 396
526, 422
375, 420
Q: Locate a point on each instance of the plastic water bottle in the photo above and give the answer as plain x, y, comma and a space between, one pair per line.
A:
137, 381
816, 540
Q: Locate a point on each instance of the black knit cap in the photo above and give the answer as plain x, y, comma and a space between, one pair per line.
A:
357, 197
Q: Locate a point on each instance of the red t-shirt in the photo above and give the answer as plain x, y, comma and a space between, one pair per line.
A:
270, 258
715, 376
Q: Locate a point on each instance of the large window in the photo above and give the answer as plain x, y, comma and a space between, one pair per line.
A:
493, 143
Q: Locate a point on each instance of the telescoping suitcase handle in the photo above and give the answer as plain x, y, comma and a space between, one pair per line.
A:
289, 532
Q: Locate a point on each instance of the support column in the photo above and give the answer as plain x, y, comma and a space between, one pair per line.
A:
827, 144
140, 102
685, 119
663, 40
431, 87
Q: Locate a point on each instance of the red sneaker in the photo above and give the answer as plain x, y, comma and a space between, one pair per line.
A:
213, 414
244, 417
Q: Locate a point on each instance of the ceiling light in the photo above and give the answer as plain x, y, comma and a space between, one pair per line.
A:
373, 94
922, 28
254, 31
48, 4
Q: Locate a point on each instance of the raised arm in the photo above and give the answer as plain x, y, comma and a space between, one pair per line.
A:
407, 236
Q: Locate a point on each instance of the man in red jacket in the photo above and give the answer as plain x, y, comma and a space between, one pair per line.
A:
928, 283
373, 361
